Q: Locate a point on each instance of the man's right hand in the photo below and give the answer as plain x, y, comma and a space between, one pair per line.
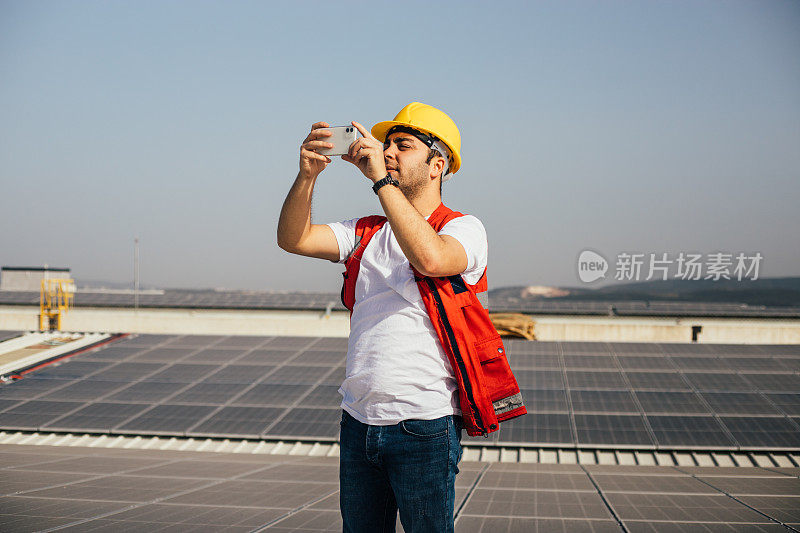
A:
311, 162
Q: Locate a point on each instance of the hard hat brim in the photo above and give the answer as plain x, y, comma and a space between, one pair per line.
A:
380, 130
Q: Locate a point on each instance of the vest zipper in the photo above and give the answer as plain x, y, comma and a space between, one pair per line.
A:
456, 353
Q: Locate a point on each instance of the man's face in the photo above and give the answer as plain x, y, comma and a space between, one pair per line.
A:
405, 158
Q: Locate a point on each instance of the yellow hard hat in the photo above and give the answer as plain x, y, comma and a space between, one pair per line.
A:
428, 120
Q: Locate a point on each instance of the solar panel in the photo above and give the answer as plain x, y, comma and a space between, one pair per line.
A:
661, 381
112, 353
792, 363
774, 382
145, 339
533, 503
581, 347
33, 414
289, 343
672, 508
590, 361
146, 392
530, 360
684, 430
308, 422
84, 390
762, 431
603, 401
215, 355
639, 482
320, 358
595, 380
240, 421
612, 429
636, 347
297, 375
167, 418
267, 357
543, 401
705, 381
96, 417
788, 403
700, 363
208, 393
336, 344
757, 364
519, 346
538, 428
671, 402
644, 362
242, 341
539, 379
71, 370
334, 378
5, 335
323, 396
6, 404
162, 355
739, 403
193, 341
183, 373
782, 349
126, 372
242, 374
272, 394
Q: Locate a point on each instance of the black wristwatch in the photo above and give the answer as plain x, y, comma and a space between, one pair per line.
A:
388, 180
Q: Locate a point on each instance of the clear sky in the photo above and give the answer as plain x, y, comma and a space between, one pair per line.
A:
615, 126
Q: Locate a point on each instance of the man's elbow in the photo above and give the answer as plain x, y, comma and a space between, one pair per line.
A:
439, 265
434, 268
287, 245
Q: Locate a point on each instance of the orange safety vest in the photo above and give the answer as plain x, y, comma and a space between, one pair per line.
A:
488, 391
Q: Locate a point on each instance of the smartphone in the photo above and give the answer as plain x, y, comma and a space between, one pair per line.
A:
342, 138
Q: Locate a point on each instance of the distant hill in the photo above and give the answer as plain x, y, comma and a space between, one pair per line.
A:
765, 291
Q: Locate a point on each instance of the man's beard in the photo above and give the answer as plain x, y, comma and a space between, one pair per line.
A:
414, 185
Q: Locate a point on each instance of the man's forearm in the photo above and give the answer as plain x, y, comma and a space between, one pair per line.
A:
295, 220
423, 247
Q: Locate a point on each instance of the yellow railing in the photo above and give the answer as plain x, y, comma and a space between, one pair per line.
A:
54, 301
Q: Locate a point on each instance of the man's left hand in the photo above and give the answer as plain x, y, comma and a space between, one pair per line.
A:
367, 154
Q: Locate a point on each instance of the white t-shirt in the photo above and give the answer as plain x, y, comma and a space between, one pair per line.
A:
396, 368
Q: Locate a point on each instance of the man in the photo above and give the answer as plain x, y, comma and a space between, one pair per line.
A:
400, 431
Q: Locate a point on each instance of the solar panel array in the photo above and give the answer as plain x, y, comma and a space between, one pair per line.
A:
6, 335
246, 387
646, 395
616, 395
199, 299
95, 489
640, 308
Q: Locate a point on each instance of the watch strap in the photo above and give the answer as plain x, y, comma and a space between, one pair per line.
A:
385, 181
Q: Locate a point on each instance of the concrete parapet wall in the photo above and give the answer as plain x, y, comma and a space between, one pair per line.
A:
664, 329
337, 324
187, 321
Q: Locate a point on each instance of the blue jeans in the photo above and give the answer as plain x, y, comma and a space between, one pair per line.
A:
410, 466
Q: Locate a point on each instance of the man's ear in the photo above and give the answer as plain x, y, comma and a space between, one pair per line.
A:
437, 167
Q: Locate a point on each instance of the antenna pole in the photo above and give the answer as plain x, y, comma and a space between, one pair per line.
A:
136, 273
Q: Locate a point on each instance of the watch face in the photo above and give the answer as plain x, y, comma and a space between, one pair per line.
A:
385, 181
